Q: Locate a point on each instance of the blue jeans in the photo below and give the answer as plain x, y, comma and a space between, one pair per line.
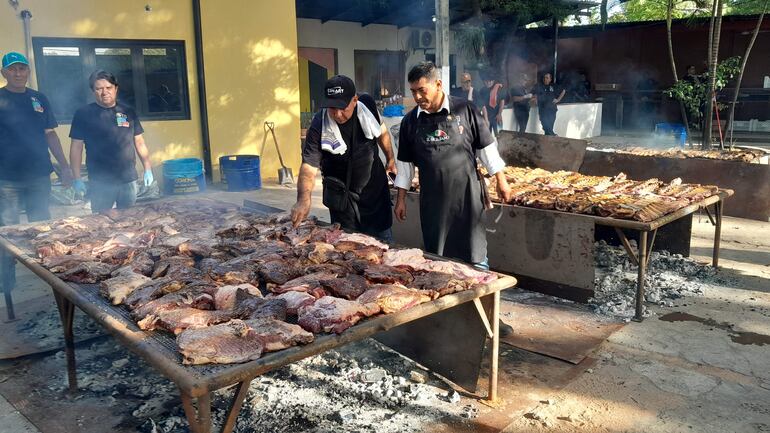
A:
482, 265
385, 235
104, 195
34, 196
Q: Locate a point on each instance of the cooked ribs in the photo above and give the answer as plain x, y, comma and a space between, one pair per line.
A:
392, 298
330, 314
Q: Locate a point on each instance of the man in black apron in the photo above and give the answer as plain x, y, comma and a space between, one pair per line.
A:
343, 142
442, 137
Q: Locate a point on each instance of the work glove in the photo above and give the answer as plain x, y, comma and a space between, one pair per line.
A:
79, 186
148, 178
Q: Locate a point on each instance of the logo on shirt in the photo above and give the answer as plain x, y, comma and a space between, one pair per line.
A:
36, 105
121, 120
335, 91
437, 136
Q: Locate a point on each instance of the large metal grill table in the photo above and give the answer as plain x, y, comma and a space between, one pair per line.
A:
447, 335
552, 251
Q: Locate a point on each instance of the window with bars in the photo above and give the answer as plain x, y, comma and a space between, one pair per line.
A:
152, 75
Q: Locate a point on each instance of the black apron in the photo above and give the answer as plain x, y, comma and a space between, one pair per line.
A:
451, 205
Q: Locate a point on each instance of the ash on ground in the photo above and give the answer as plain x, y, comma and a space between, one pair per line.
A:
669, 277
361, 387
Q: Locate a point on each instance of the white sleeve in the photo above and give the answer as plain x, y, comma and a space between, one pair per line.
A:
405, 175
490, 158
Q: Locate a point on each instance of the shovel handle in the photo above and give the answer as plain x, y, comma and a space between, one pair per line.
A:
271, 126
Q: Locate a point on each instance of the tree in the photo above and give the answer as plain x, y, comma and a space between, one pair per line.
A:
669, 12
715, 31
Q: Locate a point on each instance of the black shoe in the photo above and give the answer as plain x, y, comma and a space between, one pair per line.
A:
505, 329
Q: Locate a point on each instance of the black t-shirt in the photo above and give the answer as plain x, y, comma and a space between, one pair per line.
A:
522, 105
368, 177
546, 95
109, 137
24, 117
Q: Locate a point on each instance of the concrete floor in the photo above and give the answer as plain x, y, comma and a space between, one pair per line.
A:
708, 373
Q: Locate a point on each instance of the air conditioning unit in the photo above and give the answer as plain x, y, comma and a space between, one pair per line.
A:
422, 39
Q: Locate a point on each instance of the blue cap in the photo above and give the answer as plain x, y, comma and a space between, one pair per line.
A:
14, 57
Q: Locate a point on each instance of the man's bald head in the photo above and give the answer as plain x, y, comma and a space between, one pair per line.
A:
466, 81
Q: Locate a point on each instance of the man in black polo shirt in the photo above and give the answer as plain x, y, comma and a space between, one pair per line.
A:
112, 135
342, 141
26, 136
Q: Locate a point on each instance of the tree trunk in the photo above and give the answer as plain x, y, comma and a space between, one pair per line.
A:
683, 112
714, 57
738, 80
603, 12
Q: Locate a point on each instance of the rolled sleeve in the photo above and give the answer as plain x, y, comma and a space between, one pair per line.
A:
405, 175
490, 158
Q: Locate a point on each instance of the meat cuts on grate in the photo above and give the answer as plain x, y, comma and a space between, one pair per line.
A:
330, 314
61, 264
349, 287
305, 283
196, 249
173, 267
177, 320
367, 252
279, 335
407, 258
361, 239
438, 283
387, 274
117, 288
225, 296
392, 298
55, 248
198, 297
318, 252
248, 306
459, 270
221, 344
294, 300
279, 271
152, 290
88, 273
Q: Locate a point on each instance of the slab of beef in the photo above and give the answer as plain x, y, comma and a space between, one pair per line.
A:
118, 256
331, 268
197, 249
306, 283
459, 270
330, 234
177, 320
392, 298
141, 263
248, 306
294, 300
225, 297
360, 239
51, 249
367, 252
229, 273
299, 235
279, 335
330, 314
118, 287
225, 343
208, 264
387, 274
173, 267
318, 252
88, 273
280, 271
437, 284
152, 290
406, 258
200, 297
349, 287
61, 264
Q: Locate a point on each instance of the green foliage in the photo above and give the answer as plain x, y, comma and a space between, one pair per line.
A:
653, 10
470, 40
694, 94
528, 9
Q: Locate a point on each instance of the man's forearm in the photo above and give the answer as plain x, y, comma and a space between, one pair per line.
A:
305, 182
56, 150
76, 157
142, 151
401, 195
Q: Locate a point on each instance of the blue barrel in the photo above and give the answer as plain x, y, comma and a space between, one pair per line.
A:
240, 172
675, 130
183, 176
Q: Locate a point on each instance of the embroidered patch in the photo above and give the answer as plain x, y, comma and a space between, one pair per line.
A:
437, 136
36, 105
121, 120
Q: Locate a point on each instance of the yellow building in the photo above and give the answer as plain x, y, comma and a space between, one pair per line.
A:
249, 51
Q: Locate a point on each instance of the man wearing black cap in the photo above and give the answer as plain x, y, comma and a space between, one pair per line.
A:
342, 141
26, 135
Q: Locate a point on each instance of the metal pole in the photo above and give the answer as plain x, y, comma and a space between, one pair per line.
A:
7, 273
203, 106
642, 263
717, 232
442, 41
495, 352
555, 23
26, 15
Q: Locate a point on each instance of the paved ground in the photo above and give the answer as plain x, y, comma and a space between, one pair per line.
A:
704, 371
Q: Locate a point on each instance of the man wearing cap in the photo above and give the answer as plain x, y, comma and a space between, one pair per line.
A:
342, 142
27, 135
112, 136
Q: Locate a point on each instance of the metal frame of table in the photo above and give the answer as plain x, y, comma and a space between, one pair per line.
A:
196, 383
500, 237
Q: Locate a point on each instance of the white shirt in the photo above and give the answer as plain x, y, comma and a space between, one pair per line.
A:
489, 156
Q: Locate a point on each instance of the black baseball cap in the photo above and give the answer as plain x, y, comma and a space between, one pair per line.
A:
338, 92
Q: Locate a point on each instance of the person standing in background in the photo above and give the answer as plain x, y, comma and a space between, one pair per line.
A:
466, 84
548, 97
491, 103
521, 98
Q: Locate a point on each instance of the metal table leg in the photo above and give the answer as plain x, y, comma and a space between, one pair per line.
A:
67, 315
8, 273
200, 418
642, 271
232, 414
717, 232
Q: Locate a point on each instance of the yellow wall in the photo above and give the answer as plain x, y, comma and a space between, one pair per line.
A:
169, 19
250, 51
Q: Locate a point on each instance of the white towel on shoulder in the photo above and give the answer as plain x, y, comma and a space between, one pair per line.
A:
331, 139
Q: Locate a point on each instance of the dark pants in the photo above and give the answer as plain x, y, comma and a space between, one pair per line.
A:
547, 119
104, 195
522, 118
34, 196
